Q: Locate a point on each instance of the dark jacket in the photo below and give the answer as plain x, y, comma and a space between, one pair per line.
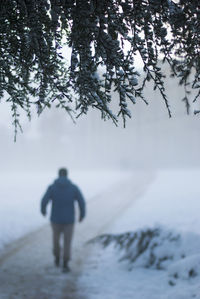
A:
62, 193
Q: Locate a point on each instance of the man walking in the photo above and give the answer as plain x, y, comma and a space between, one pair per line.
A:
63, 194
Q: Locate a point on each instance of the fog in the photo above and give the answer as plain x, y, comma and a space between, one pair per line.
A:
150, 139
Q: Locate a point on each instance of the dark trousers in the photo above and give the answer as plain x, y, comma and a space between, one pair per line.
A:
67, 231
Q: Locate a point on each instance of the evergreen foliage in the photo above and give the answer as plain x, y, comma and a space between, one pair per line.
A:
155, 248
104, 34
151, 248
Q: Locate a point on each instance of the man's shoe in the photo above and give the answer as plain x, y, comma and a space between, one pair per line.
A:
57, 261
66, 268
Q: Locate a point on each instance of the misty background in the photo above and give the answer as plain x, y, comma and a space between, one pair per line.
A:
150, 139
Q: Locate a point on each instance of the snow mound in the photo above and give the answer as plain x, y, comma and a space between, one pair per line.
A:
189, 267
157, 248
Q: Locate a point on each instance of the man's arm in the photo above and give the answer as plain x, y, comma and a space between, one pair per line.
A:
81, 203
45, 200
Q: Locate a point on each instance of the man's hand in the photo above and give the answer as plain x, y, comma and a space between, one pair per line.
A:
43, 213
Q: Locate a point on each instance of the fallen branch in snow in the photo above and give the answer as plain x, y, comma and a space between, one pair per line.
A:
157, 248
148, 248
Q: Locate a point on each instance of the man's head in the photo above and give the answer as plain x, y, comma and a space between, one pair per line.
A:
62, 172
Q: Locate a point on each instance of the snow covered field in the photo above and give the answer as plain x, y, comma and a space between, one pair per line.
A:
171, 203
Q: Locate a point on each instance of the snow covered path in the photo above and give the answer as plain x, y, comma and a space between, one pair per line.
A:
27, 269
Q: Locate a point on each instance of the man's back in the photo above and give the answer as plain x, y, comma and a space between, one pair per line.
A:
63, 194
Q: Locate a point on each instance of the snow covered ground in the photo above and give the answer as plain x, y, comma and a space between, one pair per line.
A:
171, 203
27, 269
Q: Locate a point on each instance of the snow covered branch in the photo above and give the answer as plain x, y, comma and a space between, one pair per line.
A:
104, 36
